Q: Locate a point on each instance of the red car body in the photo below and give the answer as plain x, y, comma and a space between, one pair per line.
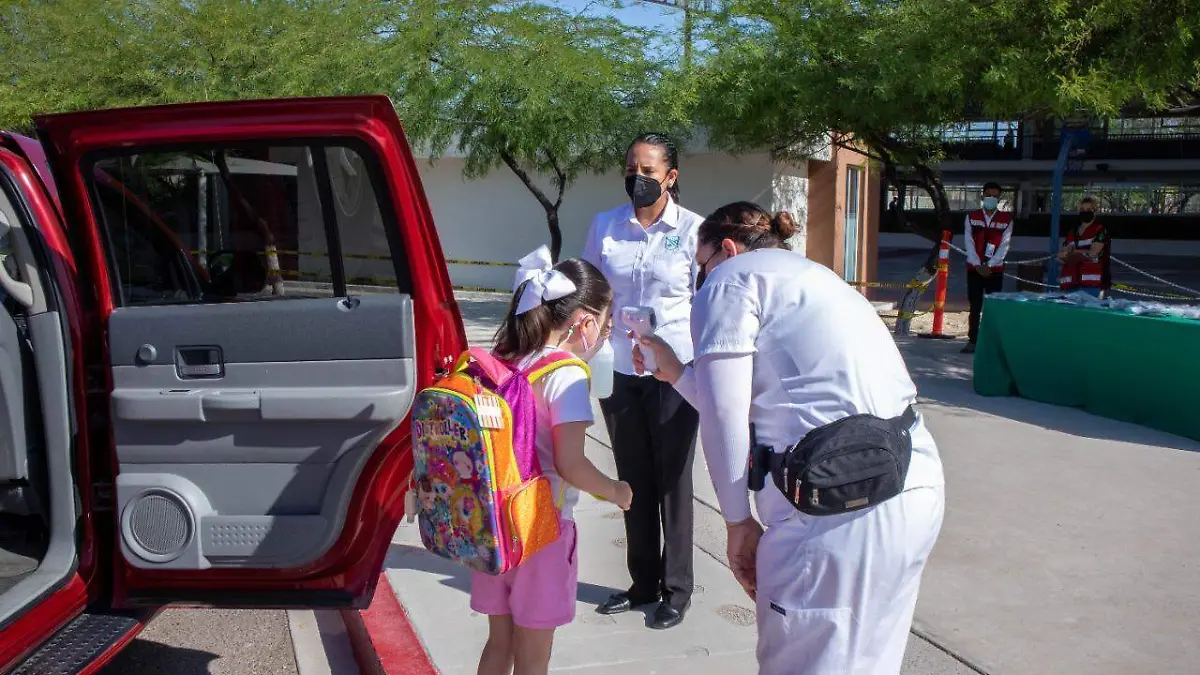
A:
49, 179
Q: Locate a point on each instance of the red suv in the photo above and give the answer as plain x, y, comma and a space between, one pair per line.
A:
215, 319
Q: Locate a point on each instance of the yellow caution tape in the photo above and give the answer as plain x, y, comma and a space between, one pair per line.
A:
1152, 293
480, 263
889, 284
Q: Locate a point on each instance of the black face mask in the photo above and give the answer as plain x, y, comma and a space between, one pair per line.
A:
703, 273
1087, 216
642, 190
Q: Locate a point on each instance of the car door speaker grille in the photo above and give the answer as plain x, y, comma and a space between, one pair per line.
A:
160, 526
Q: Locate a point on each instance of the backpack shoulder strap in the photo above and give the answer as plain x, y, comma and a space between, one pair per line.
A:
552, 362
495, 369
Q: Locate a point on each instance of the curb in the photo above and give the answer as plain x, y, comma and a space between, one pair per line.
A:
383, 639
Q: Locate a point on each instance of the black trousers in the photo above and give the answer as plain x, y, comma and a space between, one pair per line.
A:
653, 432
977, 287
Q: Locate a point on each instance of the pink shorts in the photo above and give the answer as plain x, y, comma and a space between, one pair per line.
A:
540, 594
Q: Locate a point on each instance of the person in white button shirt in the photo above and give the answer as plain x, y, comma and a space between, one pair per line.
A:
783, 343
647, 250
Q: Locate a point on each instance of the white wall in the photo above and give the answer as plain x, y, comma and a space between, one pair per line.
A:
497, 219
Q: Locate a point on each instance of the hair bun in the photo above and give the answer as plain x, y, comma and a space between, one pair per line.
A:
783, 225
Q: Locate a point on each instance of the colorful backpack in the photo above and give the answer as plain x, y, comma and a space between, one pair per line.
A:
483, 499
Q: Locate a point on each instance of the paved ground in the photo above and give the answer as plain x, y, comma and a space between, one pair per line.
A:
717, 638
1068, 547
210, 642
1069, 543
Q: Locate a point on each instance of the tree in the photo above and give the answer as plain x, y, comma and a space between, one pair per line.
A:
883, 77
528, 86
84, 54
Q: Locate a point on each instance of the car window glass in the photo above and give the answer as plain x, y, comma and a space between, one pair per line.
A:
237, 224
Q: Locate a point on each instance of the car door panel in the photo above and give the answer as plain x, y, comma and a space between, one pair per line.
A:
299, 390
260, 455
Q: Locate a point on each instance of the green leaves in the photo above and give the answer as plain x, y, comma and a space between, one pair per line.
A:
885, 75
79, 54
562, 93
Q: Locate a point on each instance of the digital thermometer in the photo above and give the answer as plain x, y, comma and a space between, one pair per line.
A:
642, 322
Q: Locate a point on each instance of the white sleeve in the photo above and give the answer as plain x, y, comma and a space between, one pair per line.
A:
591, 248
686, 385
568, 396
725, 428
1001, 253
725, 319
969, 244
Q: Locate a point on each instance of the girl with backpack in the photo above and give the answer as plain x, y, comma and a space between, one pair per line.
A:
555, 308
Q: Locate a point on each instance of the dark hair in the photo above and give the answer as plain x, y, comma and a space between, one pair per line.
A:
664, 143
748, 225
1088, 199
522, 335
992, 185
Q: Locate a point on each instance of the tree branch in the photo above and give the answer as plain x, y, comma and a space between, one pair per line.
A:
511, 163
560, 178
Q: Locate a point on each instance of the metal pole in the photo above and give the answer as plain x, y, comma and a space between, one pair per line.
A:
1060, 168
687, 35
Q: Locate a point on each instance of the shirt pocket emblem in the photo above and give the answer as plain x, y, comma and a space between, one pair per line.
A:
672, 244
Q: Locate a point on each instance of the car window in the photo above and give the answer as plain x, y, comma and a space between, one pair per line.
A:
239, 224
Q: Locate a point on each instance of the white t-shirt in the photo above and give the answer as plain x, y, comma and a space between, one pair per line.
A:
563, 396
817, 352
651, 267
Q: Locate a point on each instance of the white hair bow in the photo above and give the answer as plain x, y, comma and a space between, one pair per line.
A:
545, 282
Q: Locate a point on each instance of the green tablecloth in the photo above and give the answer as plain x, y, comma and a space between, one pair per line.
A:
1139, 369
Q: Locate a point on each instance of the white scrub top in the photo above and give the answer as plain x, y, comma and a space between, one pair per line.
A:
784, 343
648, 267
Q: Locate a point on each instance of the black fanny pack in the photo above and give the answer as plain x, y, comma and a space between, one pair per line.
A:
845, 466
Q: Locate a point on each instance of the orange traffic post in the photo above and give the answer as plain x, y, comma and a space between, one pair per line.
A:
939, 298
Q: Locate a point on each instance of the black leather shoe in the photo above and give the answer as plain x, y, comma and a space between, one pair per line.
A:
667, 616
620, 603
969, 348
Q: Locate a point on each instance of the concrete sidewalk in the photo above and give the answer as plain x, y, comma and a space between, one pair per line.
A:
1069, 546
718, 636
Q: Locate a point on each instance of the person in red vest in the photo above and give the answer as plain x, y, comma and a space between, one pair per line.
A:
1085, 254
988, 233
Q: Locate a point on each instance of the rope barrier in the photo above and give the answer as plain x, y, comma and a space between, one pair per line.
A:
1120, 288
1195, 293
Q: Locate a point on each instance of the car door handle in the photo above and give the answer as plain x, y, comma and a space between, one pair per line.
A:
231, 401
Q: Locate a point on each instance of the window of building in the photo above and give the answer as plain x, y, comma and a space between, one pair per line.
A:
852, 222
238, 224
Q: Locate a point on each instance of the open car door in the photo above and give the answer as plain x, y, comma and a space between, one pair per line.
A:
271, 296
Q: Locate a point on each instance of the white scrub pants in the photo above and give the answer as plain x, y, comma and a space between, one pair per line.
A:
836, 594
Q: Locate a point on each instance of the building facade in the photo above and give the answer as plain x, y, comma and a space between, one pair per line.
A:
487, 224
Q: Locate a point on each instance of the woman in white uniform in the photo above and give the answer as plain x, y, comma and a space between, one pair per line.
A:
646, 249
784, 344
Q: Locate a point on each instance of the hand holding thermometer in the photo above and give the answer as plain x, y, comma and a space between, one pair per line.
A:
642, 322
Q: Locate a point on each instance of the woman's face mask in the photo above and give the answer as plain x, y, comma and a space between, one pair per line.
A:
642, 190
702, 274
991, 203
1087, 215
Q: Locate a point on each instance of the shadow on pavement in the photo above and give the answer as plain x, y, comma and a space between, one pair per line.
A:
147, 656
402, 556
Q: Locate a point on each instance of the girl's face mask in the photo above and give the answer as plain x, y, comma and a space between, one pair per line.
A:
589, 324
